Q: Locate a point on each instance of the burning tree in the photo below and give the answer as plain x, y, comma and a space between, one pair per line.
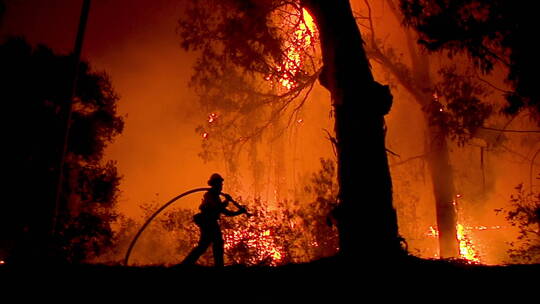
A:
240, 39
252, 86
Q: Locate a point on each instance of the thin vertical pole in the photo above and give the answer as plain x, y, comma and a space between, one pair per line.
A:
76, 62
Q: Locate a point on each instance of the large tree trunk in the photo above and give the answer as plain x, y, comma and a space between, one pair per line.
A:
367, 221
438, 156
443, 190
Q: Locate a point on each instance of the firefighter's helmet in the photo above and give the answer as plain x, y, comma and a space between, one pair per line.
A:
215, 179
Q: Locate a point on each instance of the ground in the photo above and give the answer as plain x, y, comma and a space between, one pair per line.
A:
406, 278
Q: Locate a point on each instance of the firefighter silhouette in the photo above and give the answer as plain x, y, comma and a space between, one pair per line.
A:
208, 221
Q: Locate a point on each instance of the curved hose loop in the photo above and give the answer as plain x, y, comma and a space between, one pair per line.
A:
128, 253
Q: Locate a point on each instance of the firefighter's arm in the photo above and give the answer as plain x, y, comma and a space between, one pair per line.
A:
241, 209
228, 212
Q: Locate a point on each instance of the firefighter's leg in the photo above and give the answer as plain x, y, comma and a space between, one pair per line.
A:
204, 243
217, 248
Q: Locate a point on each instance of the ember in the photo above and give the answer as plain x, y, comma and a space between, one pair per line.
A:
212, 117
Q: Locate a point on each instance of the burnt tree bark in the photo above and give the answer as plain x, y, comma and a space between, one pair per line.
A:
367, 221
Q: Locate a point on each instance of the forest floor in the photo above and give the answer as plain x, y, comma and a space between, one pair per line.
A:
407, 278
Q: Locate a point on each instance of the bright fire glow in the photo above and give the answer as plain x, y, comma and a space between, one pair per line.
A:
262, 242
466, 246
467, 249
433, 232
212, 117
301, 39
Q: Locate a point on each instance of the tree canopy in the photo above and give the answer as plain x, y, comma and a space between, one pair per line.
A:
35, 89
254, 64
494, 32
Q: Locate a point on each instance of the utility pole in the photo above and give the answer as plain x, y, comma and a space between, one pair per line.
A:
63, 150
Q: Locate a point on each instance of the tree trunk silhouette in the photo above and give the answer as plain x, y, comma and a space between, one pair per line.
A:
443, 191
438, 156
367, 221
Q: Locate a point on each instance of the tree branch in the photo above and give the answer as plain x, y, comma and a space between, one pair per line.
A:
408, 160
511, 131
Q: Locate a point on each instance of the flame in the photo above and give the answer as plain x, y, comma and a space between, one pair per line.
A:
466, 246
433, 232
262, 242
301, 39
467, 250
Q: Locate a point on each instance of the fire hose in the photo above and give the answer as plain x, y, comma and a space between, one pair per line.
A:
128, 253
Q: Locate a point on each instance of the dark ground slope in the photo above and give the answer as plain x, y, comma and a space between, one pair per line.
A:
329, 280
